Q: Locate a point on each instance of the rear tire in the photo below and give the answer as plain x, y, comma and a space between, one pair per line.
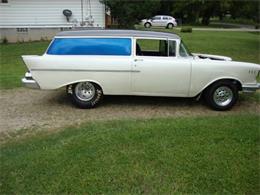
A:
147, 25
221, 95
86, 94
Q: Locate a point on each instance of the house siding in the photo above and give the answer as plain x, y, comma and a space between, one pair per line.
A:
44, 18
44, 13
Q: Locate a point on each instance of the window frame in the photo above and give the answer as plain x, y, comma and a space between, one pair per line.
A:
157, 38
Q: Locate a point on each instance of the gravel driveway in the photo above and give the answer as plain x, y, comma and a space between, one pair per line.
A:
25, 109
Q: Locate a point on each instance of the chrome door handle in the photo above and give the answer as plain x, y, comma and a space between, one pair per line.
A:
138, 60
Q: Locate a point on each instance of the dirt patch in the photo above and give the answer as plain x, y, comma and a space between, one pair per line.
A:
24, 108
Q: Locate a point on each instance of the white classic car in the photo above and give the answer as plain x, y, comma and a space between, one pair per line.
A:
94, 63
165, 21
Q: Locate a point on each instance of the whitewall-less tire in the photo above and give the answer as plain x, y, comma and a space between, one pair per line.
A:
221, 95
86, 94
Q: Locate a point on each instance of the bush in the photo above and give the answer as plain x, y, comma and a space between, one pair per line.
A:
4, 40
257, 26
187, 29
113, 26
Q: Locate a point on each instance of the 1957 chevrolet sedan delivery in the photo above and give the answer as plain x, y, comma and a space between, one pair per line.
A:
126, 62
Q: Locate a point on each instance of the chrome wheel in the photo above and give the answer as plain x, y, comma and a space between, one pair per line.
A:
85, 91
223, 96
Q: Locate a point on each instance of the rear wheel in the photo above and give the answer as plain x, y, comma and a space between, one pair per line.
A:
86, 94
147, 25
221, 95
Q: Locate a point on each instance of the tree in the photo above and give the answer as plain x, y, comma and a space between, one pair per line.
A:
245, 9
129, 12
187, 10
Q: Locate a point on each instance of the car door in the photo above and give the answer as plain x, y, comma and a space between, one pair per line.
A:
165, 20
156, 21
159, 72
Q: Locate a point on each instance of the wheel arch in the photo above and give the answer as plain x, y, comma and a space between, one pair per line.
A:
148, 23
233, 80
79, 81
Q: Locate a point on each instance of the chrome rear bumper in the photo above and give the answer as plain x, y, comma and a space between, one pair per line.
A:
251, 88
29, 82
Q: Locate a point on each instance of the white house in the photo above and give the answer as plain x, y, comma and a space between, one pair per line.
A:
25, 20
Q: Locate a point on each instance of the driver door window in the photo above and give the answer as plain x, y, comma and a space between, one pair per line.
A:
155, 47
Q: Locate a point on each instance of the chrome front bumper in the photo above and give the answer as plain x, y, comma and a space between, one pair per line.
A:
250, 87
29, 82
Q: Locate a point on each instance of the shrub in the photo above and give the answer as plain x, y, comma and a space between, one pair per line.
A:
257, 26
4, 40
186, 29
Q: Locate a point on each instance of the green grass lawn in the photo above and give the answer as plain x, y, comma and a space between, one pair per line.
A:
242, 46
158, 156
12, 68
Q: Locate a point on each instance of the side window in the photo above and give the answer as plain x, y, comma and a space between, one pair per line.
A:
90, 46
151, 47
156, 18
172, 48
165, 18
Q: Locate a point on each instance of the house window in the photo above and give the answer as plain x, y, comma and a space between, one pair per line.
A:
22, 30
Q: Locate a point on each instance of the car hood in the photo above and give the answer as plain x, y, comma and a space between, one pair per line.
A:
212, 57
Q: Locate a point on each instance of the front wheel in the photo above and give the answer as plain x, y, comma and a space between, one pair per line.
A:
221, 95
86, 94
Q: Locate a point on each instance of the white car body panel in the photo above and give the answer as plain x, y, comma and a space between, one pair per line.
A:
216, 57
140, 75
161, 76
206, 71
113, 73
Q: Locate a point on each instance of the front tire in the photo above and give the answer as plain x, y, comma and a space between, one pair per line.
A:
221, 95
170, 26
86, 94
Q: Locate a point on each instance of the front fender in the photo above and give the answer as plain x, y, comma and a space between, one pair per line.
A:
202, 88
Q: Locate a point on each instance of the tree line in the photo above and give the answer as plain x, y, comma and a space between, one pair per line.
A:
129, 12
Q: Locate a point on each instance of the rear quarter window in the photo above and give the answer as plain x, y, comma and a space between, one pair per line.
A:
90, 46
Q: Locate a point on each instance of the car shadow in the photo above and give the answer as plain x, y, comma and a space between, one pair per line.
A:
148, 101
63, 99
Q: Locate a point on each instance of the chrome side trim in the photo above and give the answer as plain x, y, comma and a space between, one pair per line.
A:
84, 70
30, 83
250, 87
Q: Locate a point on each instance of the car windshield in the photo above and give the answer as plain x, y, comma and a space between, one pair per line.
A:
184, 52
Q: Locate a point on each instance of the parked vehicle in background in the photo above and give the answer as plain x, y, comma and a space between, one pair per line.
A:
160, 20
127, 62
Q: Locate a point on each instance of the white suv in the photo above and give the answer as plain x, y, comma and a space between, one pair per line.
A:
160, 20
